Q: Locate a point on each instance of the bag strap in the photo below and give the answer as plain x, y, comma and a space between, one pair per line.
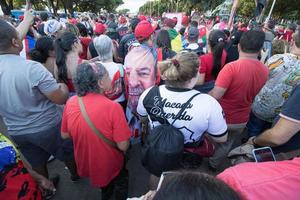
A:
185, 105
92, 126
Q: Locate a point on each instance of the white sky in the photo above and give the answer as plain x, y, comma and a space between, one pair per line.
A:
132, 5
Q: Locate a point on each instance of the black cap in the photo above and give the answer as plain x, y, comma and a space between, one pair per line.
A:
134, 22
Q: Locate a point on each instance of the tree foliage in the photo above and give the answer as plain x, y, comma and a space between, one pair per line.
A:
67, 5
288, 9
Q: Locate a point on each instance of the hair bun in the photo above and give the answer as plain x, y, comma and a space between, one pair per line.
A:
175, 63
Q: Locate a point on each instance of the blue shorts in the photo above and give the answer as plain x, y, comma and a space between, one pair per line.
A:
38, 147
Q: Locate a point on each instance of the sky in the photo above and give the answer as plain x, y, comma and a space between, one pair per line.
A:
132, 5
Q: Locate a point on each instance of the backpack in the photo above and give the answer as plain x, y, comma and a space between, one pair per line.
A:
164, 146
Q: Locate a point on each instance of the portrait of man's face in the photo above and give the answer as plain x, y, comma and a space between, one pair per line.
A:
141, 74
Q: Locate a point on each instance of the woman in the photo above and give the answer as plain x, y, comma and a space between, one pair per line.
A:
67, 49
202, 115
43, 52
212, 63
85, 39
104, 48
163, 43
94, 157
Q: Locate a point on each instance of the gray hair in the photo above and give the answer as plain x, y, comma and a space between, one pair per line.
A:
104, 47
87, 77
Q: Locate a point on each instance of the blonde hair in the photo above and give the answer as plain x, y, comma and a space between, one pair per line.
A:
180, 69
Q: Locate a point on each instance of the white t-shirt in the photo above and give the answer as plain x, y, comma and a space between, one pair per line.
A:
203, 114
113, 70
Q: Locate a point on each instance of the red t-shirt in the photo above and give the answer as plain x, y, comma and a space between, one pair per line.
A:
94, 158
206, 65
70, 84
288, 35
85, 42
243, 79
267, 180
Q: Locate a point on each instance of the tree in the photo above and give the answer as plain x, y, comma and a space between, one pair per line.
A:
6, 6
68, 5
124, 11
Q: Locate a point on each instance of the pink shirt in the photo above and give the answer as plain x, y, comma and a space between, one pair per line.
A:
269, 180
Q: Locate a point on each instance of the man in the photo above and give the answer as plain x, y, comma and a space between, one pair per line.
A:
122, 28
169, 25
236, 87
128, 40
270, 35
44, 17
272, 180
284, 77
285, 134
28, 97
193, 35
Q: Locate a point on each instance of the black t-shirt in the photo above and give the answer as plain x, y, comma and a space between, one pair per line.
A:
168, 53
126, 42
291, 111
232, 53
122, 31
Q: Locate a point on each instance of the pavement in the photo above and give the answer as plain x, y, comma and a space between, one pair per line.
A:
81, 190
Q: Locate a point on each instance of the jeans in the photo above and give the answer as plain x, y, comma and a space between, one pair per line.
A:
206, 87
256, 125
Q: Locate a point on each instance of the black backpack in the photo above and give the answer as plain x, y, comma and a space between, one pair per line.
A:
164, 146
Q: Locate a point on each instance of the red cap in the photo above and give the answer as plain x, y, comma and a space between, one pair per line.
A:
143, 30
100, 28
185, 21
142, 17
170, 23
122, 20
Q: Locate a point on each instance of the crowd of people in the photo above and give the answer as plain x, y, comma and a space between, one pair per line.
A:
85, 89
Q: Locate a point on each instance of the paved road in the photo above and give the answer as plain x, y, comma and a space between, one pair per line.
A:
66, 190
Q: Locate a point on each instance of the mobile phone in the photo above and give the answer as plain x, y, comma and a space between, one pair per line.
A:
263, 154
162, 177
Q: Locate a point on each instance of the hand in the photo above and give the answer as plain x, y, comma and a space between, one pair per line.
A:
150, 195
45, 184
28, 16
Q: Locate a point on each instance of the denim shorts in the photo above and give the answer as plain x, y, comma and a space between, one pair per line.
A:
38, 147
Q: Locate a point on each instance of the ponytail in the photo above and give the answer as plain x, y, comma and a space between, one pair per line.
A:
217, 43
61, 56
42, 47
180, 69
63, 46
217, 52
